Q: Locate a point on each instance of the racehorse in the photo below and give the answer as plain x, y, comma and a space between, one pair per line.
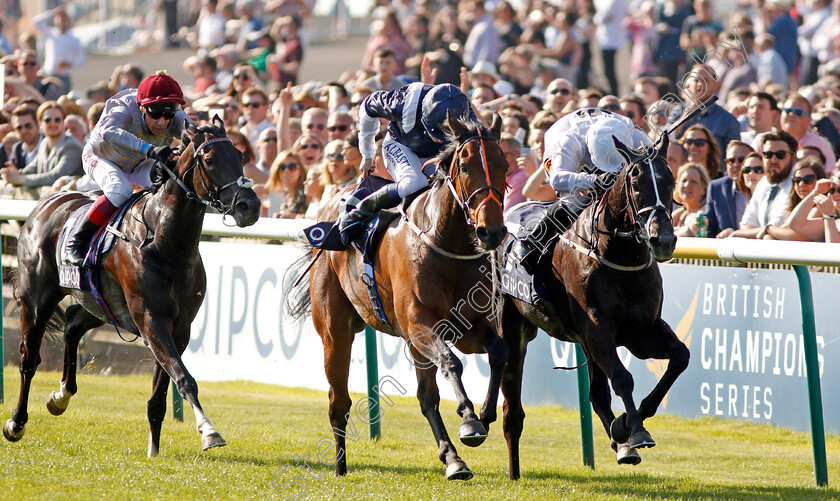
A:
605, 291
154, 285
430, 268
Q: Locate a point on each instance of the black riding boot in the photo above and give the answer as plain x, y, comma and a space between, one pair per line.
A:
78, 246
556, 221
351, 223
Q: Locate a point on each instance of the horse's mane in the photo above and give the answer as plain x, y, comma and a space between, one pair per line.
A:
444, 159
209, 129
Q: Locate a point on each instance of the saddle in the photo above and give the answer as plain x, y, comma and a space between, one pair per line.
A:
87, 278
516, 281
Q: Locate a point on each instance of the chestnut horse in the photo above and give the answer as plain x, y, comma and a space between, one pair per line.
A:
154, 285
606, 291
427, 281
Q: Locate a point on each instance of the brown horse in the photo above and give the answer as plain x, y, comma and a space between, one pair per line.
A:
606, 291
428, 282
154, 285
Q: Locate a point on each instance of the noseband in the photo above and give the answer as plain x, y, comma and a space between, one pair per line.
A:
215, 202
460, 192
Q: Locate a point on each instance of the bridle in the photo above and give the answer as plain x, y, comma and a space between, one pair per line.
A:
213, 191
641, 232
458, 190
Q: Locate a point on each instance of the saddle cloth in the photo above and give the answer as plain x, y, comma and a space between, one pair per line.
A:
516, 281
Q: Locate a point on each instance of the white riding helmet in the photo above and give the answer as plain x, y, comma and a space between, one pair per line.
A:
599, 141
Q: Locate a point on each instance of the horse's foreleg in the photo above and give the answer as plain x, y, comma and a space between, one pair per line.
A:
601, 399
33, 322
337, 367
79, 321
429, 397
156, 409
627, 428
666, 345
497, 354
511, 385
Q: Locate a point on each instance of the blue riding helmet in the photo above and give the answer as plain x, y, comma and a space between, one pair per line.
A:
439, 100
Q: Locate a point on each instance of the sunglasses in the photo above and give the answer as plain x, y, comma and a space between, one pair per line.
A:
563, 92
242, 76
781, 154
335, 156
309, 146
735, 160
287, 166
316, 126
232, 107
341, 128
807, 179
50, 120
611, 107
353, 104
156, 113
630, 114
30, 63
695, 142
24, 126
795, 111
757, 170
270, 139
253, 104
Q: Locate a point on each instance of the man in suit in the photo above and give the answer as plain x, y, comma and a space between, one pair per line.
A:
724, 201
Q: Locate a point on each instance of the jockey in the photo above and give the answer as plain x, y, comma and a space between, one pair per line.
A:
417, 115
580, 157
135, 130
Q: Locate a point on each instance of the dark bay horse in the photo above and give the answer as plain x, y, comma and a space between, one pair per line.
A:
154, 285
606, 291
434, 280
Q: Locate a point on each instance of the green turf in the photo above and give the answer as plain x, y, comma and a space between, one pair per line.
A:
97, 449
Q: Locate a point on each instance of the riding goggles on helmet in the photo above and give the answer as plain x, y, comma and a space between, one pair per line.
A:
165, 110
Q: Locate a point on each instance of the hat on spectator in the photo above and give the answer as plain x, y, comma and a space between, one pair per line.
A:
486, 68
503, 88
784, 4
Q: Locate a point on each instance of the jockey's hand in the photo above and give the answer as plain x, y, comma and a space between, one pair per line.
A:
159, 153
366, 167
606, 180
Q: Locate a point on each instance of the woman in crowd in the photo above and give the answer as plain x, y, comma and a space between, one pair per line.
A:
805, 220
337, 173
314, 191
388, 34
285, 196
751, 173
692, 185
244, 77
310, 149
703, 149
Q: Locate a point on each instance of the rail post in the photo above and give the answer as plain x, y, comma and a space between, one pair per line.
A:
372, 363
587, 447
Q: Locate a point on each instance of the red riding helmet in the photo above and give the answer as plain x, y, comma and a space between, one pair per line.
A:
159, 88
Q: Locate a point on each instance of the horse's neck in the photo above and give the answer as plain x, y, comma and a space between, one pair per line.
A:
176, 219
447, 220
615, 215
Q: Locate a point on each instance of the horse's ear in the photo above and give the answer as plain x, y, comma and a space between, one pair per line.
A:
496, 126
187, 133
626, 152
219, 122
664, 142
457, 127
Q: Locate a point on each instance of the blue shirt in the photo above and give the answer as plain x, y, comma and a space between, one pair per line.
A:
784, 29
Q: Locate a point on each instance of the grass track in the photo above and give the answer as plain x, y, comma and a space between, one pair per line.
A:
97, 450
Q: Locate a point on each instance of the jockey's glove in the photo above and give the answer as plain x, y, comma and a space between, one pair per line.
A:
159, 153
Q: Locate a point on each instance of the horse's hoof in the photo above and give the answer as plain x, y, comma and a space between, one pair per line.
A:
627, 455
457, 470
640, 440
10, 433
212, 440
53, 407
619, 430
153, 449
472, 433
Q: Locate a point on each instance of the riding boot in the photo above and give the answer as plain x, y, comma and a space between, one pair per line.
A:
77, 248
556, 221
351, 223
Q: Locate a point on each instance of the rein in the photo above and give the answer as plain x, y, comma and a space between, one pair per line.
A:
242, 182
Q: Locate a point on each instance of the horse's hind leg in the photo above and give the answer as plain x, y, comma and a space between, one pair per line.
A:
33, 322
79, 321
156, 409
514, 414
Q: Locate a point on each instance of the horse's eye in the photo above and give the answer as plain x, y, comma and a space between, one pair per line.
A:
464, 168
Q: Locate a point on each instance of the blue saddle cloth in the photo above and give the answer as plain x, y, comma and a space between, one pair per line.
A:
516, 281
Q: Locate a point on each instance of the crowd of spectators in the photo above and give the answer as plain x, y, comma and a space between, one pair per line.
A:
759, 163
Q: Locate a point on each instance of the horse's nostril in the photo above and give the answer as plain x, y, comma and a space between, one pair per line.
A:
482, 233
243, 207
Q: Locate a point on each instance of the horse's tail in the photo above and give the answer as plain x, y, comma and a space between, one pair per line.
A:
54, 330
296, 299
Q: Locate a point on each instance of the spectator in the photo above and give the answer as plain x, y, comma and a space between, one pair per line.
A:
768, 204
384, 64
770, 67
669, 55
796, 120
676, 156
351, 152
5, 46
506, 25
28, 67
516, 176
763, 114
808, 218
249, 24
314, 121
244, 76
310, 148
338, 173
640, 27
827, 200
25, 124
633, 108
314, 190
255, 109
241, 143
810, 152
285, 66
483, 43
811, 22
339, 125
58, 154
610, 35
62, 50
725, 203
285, 187
699, 32
76, 127
267, 152
751, 173
742, 74
387, 34
205, 75
692, 185
558, 93
703, 149
211, 27
783, 28
231, 111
